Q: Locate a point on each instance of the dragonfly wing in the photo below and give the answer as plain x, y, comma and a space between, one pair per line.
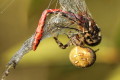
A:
74, 6
26, 47
54, 26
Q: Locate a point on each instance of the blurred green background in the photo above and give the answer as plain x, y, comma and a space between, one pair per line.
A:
18, 22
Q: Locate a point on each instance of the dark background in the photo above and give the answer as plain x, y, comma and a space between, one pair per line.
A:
19, 21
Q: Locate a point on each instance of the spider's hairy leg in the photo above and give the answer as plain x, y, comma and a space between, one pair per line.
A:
73, 38
61, 45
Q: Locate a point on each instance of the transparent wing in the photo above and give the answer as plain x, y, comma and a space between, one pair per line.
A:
75, 6
57, 24
26, 47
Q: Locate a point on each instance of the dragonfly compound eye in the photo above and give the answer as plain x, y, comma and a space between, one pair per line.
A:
82, 57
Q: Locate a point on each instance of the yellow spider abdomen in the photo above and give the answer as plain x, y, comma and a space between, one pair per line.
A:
82, 56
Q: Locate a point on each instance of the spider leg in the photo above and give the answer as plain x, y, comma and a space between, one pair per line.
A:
61, 45
74, 38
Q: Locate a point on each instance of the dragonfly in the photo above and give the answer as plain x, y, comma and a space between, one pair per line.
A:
77, 13
72, 19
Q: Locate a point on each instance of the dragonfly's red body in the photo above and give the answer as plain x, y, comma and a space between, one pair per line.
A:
41, 23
